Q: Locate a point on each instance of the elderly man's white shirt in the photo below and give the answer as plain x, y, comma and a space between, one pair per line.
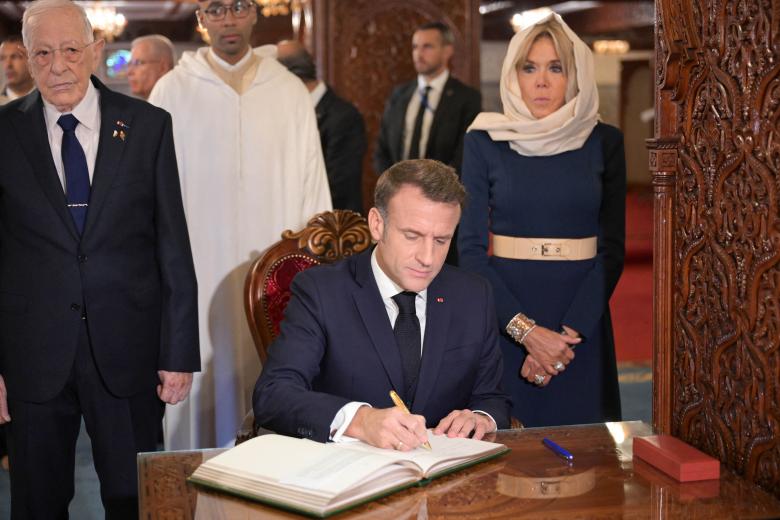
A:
250, 167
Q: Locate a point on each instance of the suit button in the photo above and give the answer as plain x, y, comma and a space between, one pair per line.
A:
75, 307
82, 258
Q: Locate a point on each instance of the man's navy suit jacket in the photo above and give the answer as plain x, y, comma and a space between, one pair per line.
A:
130, 273
337, 345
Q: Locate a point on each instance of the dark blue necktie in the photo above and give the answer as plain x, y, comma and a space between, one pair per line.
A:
76, 173
407, 336
414, 148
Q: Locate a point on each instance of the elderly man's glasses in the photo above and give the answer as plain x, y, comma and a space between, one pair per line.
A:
71, 54
217, 12
138, 63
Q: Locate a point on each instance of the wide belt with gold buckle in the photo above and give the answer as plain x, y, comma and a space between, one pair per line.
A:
521, 248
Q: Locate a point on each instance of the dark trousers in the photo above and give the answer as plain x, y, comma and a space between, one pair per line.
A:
42, 443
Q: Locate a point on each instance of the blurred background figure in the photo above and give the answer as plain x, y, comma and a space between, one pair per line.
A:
547, 188
13, 58
341, 127
427, 117
151, 57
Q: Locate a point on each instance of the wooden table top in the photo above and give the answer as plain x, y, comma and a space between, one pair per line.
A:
529, 482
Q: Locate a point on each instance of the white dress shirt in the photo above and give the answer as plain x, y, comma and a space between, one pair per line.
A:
318, 92
12, 94
434, 96
87, 131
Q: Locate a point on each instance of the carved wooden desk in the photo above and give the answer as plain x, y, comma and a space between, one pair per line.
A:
530, 482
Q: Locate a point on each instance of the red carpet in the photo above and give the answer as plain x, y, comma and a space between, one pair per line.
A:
632, 301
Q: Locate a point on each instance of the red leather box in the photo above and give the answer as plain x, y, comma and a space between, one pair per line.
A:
677, 459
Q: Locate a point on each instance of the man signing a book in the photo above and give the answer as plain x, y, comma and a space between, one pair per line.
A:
392, 318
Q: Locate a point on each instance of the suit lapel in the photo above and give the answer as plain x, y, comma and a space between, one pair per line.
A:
110, 150
406, 97
372, 312
321, 109
442, 114
437, 324
36, 147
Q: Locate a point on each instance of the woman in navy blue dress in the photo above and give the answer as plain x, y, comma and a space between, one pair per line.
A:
545, 223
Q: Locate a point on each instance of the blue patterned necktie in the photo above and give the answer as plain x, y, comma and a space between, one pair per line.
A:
407, 336
74, 163
414, 149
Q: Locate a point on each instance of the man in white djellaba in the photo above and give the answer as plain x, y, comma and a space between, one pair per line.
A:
251, 167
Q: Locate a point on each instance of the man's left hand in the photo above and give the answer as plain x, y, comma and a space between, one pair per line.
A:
460, 423
174, 386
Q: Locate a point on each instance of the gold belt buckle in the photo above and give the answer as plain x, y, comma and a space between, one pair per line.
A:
550, 249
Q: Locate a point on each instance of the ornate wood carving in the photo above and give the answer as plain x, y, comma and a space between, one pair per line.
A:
363, 48
717, 308
333, 235
327, 237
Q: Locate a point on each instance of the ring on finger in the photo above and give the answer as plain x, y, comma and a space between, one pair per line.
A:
559, 366
538, 379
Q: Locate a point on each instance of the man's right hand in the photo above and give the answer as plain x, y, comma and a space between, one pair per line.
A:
388, 428
4, 415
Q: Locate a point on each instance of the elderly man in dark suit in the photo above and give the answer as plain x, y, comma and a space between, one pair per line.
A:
98, 297
392, 318
341, 127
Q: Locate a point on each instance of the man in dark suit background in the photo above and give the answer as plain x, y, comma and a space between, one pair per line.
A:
428, 117
98, 298
392, 318
416, 125
341, 127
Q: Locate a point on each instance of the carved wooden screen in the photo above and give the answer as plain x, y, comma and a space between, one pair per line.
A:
364, 47
716, 174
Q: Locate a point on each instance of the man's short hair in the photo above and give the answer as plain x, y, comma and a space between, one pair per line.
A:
447, 38
13, 38
301, 64
437, 181
40, 7
162, 47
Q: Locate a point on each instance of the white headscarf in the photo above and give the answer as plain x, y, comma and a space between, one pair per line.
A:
565, 129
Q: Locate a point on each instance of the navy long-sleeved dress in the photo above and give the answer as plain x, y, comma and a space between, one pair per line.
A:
575, 194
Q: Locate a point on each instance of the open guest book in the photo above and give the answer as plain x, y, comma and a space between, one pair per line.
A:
323, 479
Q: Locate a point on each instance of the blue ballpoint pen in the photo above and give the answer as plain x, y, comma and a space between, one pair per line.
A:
558, 450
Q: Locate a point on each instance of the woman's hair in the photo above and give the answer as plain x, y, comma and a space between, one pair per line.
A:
563, 47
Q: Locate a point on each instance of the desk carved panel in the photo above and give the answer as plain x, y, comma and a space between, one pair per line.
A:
719, 95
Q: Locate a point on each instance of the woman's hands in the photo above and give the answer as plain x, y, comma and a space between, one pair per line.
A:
550, 349
548, 353
530, 369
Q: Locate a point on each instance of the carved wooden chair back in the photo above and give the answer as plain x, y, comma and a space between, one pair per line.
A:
327, 237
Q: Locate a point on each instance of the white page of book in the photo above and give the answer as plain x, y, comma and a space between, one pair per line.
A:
324, 469
445, 451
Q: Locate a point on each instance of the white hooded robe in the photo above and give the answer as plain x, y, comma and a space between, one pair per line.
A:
250, 168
